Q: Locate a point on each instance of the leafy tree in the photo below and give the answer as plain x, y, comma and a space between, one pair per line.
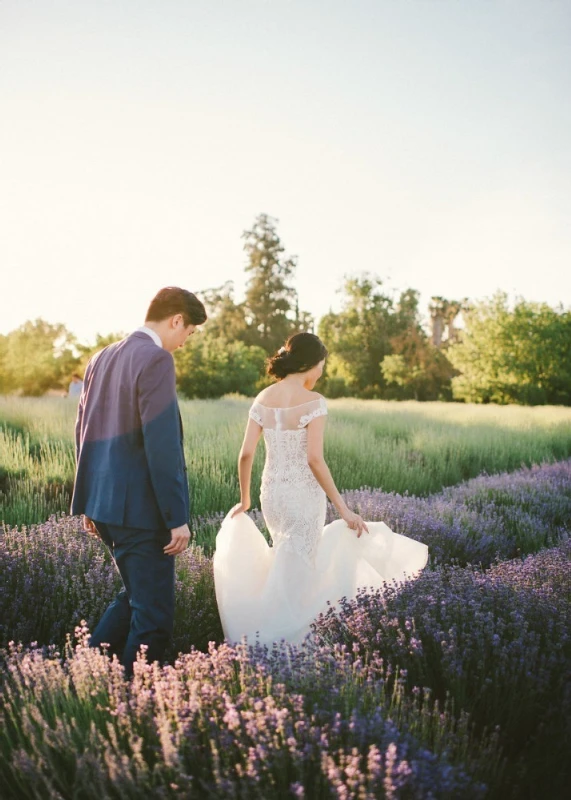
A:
406, 316
271, 307
396, 370
210, 366
226, 318
416, 366
36, 357
521, 355
359, 337
420, 369
218, 361
379, 349
4, 378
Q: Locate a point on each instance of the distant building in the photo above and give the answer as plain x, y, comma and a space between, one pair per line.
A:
443, 316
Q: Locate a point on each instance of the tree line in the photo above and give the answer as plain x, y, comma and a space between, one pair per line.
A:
378, 345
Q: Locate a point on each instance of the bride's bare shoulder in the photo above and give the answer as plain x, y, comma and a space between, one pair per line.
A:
265, 395
314, 396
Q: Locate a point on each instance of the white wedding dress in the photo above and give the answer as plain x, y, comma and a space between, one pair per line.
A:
273, 593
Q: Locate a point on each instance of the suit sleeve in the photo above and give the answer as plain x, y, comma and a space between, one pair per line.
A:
81, 408
158, 409
78, 424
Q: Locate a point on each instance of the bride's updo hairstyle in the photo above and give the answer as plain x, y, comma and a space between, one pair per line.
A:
301, 352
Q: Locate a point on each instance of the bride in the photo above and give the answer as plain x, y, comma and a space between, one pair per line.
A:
274, 593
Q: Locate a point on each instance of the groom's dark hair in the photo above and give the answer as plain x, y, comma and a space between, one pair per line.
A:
170, 301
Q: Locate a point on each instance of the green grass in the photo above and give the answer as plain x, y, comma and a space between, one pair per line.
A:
404, 447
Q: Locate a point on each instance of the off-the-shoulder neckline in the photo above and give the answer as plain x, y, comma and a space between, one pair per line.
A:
287, 408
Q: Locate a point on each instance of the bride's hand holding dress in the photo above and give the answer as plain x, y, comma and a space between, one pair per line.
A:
355, 523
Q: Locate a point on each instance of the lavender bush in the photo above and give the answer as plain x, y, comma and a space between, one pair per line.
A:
486, 518
234, 723
497, 643
54, 575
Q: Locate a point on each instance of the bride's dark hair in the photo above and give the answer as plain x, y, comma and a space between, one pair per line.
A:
301, 352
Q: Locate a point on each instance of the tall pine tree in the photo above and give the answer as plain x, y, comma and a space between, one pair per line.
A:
271, 306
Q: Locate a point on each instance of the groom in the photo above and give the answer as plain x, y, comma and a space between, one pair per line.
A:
130, 481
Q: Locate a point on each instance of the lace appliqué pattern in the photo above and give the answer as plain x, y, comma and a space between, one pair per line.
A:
293, 502
318, 412
253, 414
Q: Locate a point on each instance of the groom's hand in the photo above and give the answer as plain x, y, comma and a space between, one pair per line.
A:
89, 526
180, 538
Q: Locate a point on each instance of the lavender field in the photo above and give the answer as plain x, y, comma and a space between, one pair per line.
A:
454, 686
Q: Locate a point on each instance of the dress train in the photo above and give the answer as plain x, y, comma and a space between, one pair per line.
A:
273, 593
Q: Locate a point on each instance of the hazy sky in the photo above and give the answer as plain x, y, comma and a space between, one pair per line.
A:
427, 141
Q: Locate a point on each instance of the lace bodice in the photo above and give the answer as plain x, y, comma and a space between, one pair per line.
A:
293, 502
283, 419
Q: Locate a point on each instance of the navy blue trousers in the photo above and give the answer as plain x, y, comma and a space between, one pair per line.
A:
142, 612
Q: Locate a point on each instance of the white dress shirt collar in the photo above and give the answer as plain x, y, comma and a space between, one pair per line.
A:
153, 334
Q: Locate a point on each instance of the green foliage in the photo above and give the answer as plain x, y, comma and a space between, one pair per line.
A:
226, 318
212, 367
36, 357
218, 361
359, 336
375, 344
39, 356
513, 356
4, 377
420, 369
395, 370
336, 384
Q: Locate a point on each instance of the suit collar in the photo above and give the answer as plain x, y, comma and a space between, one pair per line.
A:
151, 334
140, 337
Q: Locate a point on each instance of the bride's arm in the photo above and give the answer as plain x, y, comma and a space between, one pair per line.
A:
318, 465
245, 461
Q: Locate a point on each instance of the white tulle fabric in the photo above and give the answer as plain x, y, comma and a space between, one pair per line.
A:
273, 593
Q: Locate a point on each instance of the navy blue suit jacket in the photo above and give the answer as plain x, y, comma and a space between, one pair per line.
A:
130, 460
